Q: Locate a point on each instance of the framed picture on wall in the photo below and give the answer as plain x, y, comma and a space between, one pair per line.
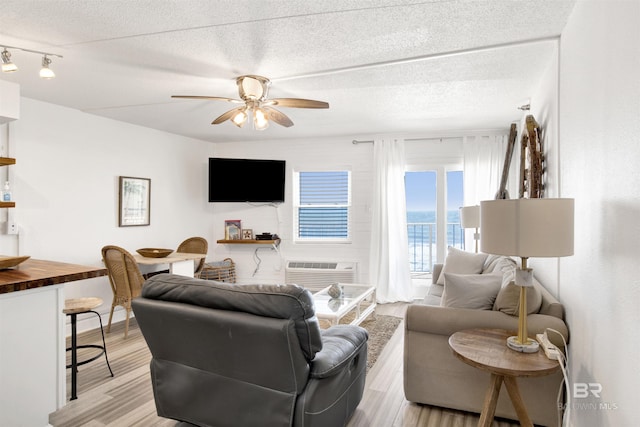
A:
233, 229
134, 201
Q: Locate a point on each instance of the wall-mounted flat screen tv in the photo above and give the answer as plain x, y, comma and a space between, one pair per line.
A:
246, 180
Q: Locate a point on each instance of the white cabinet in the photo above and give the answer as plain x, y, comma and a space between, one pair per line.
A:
9, 101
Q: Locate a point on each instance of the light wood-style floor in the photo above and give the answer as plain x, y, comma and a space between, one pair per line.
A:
127, 400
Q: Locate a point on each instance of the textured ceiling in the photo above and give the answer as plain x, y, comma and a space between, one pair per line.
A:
384, 66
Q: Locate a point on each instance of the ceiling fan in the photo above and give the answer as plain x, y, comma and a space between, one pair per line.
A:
253, 92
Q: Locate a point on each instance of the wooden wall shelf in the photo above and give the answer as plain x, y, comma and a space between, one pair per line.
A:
6, 161
248, 242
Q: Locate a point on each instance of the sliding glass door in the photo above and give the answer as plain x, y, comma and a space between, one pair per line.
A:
433, 222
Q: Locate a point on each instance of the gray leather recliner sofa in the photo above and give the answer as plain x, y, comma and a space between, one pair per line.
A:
251, 355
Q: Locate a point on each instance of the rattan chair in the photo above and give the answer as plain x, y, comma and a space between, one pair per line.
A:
195, 245
125, 278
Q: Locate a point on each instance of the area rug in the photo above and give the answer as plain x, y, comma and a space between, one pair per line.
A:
380, 328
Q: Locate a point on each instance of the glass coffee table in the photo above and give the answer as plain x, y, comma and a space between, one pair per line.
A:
358, 301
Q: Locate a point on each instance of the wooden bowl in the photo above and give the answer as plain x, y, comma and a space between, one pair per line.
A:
11, 261
154, 252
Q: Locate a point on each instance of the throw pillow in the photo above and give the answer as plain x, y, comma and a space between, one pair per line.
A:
461, 262
491, 262
495, 263
477, 291
508, 299
507, 267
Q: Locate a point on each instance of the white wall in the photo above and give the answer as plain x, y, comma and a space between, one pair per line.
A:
310, 154
65, 185
599, 149
544, 108
338, 153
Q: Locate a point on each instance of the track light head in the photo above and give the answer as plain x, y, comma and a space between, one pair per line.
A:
7, 65
45, 71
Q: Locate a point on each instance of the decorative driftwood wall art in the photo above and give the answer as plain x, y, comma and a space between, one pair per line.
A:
502, 191
531, 161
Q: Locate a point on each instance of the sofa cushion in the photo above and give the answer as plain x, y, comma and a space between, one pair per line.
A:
508, 299
477, 291
462, 262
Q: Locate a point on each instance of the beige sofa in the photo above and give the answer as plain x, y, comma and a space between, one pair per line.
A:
434, 376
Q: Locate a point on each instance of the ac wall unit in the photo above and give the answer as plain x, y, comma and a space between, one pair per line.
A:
315, 275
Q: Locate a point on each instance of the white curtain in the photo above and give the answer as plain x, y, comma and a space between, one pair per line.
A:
389, 253
483, 163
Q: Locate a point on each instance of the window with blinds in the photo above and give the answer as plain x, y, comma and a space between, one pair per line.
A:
323, 201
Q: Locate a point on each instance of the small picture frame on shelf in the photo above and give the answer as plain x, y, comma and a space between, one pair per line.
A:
233, 229
247, 234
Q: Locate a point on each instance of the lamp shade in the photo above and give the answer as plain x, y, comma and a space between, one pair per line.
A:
527, 227
470, 216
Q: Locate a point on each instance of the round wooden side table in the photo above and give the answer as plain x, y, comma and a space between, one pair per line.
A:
487, 349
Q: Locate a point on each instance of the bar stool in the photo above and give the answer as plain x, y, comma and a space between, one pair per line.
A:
73, 307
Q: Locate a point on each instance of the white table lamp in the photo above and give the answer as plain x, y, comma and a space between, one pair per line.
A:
526, 228
470, 218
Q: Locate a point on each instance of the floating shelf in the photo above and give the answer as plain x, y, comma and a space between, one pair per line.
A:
248, 242
7, 161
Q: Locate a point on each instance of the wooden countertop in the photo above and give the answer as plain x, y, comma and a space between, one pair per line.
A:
35, 273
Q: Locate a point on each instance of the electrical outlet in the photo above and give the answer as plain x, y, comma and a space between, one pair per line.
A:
12, 228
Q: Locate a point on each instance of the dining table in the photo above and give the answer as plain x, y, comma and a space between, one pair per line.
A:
182, 263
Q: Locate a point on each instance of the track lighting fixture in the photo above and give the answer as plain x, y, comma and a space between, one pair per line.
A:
8, 66
45, 71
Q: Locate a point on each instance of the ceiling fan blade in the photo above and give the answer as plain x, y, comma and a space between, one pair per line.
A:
210, 98
278, 117
226, 116
297, 103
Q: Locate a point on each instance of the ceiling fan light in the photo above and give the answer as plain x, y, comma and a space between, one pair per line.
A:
260, 120
7, 65
253, 87
240, 118
45, 71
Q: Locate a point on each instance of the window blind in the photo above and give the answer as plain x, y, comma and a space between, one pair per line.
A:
323, 205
